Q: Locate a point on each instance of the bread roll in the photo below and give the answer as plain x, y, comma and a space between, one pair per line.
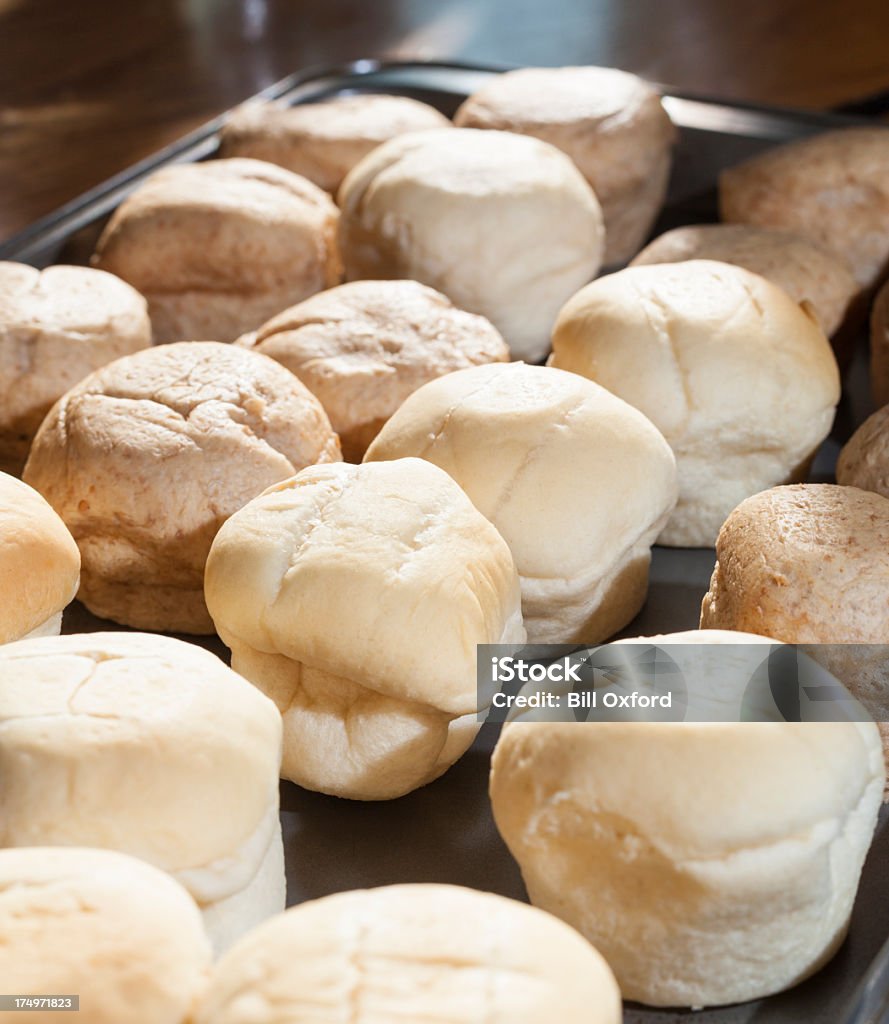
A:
503, 224
116, 932
56, 326
219, 247
146, 458
362, 348
609, 122
355, 596
830, 187
809, 565
879, 347
812, 276
323, 141
39, 563
864, 460
709, 862
740, 381
150, 746
578, 483
411, 953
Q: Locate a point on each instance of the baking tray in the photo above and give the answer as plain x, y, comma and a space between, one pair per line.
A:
445, 831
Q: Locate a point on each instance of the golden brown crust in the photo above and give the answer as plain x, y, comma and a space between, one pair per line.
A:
39, 561
146, 458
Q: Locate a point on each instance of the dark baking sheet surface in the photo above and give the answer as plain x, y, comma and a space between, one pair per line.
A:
445, 831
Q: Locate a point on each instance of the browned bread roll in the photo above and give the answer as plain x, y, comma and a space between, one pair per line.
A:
363, 347
56, 326
219, 247
147, 457
832, 188
323, 141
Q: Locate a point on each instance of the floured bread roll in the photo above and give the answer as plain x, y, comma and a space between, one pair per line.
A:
150, 746
412, 953
578, 483
147, 457
355, 596
504, 225
809, 565
56, 326
323, 141
812, 276
609, 122
831, 187
741, 382
118, 933
39, 563
219, 247
864, 460
744, 839
879, 347
362, 348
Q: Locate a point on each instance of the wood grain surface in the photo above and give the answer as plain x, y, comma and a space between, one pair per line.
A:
87, 87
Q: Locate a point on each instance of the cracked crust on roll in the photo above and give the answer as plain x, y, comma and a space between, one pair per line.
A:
578, 483
354, 597
147, 457
412, 953
737, 377
146, 745
364, 347
117, 932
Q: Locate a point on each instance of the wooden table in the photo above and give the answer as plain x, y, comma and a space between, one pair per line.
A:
88, 87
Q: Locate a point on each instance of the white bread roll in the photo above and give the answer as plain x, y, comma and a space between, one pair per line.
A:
153, 747
739, 380
118, 933
809, 565
56, 326
812, 276
218, 247
609, 122
363, 347
709, 862
577, 482
147, 457
504, 225
412, 953
355, 596
830, 187
39, 563
323, 141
